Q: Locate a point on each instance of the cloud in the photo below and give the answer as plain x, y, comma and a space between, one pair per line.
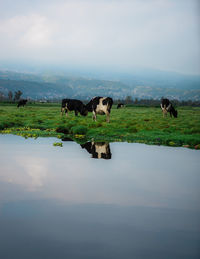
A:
156, 33
32, 31
38, 33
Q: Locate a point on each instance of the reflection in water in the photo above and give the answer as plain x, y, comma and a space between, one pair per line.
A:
98, 149
58, 203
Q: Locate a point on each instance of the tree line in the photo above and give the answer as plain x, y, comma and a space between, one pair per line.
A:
129, 101
156, 102
11, 96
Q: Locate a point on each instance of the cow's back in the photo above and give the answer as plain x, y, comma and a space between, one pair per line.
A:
74, 105
22, 102
99, 103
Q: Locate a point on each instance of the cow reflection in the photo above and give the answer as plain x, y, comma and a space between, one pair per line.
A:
98, 149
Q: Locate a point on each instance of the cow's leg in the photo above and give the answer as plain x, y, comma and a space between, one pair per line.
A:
62, 110
76, 112
66, 112
107, 116
94, 116
162, 109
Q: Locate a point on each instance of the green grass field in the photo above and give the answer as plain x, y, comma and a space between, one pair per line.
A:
132, 124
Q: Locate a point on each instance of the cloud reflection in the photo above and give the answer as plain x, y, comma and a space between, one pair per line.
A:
26, 171
134, 176
36, 168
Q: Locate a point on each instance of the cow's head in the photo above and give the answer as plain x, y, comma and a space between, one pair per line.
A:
164, 111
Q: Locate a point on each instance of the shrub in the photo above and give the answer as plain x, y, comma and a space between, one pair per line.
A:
40, 121
79, 130
62, 129
171, 143
6, 124
57, 144
18, 123
132, 130
39, 126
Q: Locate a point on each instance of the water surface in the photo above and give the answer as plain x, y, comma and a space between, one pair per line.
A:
139, 201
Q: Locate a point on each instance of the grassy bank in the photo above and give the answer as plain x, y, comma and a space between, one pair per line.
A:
132, 124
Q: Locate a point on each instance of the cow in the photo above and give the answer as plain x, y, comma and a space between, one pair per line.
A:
120, 105
98, 149
22, 102
100, 105
73, 105
167, 106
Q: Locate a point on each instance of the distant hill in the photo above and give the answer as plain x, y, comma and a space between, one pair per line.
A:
35, 90
142, 84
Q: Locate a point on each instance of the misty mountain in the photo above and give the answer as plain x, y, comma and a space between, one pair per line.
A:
140, 84
34, 90
49, 86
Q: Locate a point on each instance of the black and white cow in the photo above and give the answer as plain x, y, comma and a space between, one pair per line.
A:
22, 102
100, 105
73, 105
166, 107
120, 105
98, 149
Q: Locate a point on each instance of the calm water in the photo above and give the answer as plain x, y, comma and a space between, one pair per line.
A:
136, 201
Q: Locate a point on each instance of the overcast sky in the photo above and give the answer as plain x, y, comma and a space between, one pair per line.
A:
161, 34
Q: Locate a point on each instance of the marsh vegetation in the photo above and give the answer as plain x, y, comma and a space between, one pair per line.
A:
131, 124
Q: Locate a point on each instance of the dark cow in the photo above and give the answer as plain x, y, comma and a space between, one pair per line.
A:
98, 149
100, 105
120, 105
167, 106
22, 102
73, 105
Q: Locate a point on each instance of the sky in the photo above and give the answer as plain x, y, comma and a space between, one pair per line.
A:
121, 34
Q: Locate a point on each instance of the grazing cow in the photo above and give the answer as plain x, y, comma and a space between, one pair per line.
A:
120, 105
22, 102
100, 105
98, 149
166, 106
73, 105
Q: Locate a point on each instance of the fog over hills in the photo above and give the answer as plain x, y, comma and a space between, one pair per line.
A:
84, 84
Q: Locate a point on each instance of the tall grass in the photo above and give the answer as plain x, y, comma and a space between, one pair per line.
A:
133, 124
